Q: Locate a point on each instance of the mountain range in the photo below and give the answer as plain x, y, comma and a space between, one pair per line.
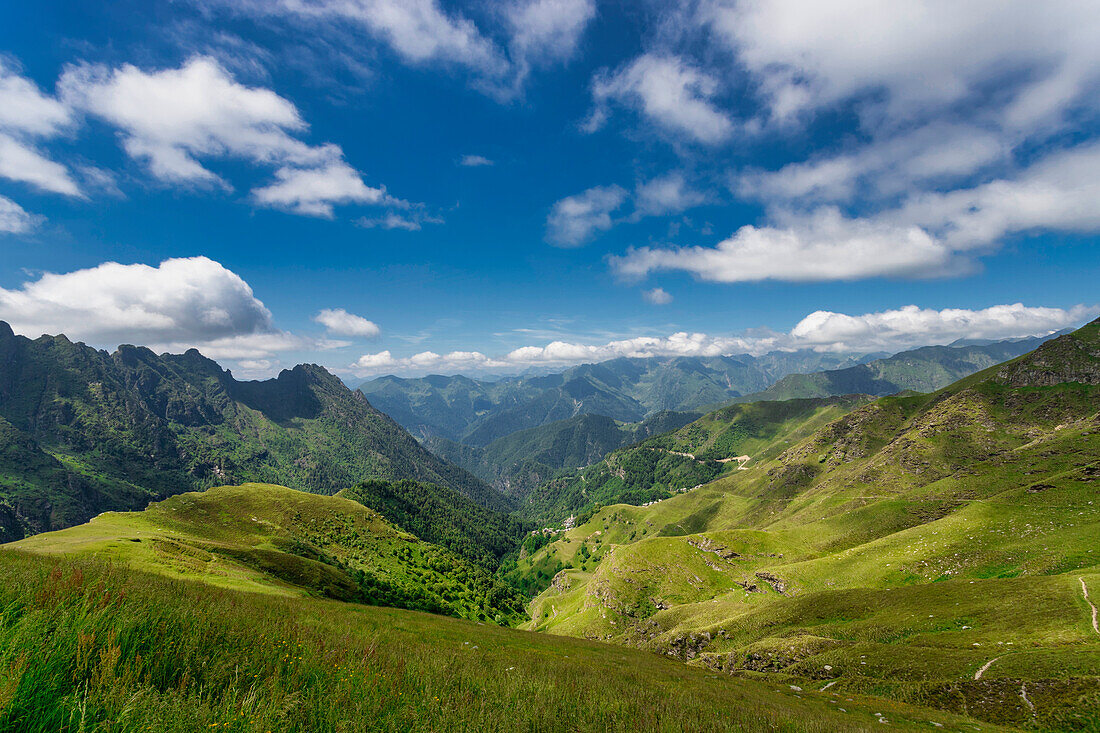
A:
920, 370
518, 463
477, 412
83, 431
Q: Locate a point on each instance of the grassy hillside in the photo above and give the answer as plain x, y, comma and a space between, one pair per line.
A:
933, 548
477, 412
694, 454
87, 648
920, 370
279, 541
518, 463
87, 431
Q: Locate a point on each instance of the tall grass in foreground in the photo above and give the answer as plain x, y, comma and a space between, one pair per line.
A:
89, 648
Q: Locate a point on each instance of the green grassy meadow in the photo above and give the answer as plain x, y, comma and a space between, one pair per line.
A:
929, 548
87, 646
275, 540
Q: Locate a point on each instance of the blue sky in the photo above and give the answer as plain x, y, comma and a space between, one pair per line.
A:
424, 186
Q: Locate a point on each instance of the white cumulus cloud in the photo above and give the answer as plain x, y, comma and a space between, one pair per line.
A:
193, 300
474, 161
670, 92
657, 296
927, 234
342, 323
314, 191
574, 220
667, 194
26, 117
891, 330
172, 120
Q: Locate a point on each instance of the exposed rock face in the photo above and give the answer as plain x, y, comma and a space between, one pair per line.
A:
776, 582
1071, 358
561, 582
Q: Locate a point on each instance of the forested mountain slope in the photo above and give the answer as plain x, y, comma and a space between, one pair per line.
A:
694, 454
87, 431
936, 547
518, 463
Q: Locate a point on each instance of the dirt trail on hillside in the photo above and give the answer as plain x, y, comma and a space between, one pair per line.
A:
987, 665
741, 460
1085, 591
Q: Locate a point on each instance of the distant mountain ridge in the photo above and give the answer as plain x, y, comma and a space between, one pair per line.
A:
84, 431
477, 412
517, 463
921, 370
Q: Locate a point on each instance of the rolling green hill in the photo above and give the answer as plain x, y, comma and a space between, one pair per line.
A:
275, 540
920, 370
694, 454
477, 412
86, 431
518, 463
939, 548
85, 647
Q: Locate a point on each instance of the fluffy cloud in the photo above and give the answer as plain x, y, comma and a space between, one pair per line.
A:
21, 162
929, 234
25, 108
911, 326
574, 220
425, 361
192, 301
340, 322
314, 191
823, 246
934, 154
668, 194
675, 95
953, 104
419, 31
474, 161
891, 330
657, 296
545, 31
918, 57
27, 115
172, 118
1058, 192
524, 34
13, 218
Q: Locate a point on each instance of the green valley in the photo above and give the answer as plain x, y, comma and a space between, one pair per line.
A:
778, 564
518, 463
